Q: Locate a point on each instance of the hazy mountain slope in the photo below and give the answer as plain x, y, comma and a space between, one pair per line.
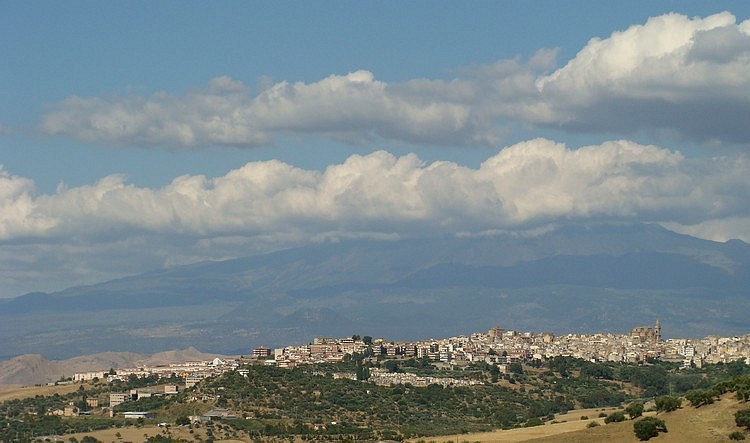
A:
579, 279
30, 369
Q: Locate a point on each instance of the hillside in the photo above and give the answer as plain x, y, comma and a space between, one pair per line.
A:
576, 279
702, 425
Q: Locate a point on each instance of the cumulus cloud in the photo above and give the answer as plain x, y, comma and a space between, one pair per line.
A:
353, 107
674, 75
530, 183
99, 230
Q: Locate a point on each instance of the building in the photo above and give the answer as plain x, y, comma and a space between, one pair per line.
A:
193, 379
138, 414
647, 334
117, 398
261, 352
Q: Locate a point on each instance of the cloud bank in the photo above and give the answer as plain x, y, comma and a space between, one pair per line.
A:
673, 76
92, 230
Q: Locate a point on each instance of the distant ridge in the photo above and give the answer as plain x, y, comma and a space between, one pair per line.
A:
592, 278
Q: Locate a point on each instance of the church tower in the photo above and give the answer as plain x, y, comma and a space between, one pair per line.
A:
657, 330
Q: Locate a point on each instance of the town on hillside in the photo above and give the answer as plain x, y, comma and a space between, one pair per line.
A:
497, 346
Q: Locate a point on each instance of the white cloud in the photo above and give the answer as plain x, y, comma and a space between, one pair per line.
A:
530, 183
98, 230
352, 107
18, 209
674, 75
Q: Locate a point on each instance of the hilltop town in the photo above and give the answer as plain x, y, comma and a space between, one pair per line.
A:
366, 388
497, 346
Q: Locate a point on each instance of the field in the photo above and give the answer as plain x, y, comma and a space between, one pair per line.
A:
702, 425
16, 392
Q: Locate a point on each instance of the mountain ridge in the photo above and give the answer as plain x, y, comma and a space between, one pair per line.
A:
574, 278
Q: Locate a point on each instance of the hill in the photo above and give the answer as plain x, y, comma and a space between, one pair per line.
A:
31, 369
573, 279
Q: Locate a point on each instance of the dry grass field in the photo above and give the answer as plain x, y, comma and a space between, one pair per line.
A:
16, 392
702, 425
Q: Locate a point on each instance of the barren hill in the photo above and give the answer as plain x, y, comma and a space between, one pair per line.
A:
30, 369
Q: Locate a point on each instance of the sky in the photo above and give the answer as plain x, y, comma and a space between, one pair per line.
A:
147, 134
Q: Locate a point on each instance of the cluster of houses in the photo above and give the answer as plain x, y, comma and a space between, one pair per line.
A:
497, 346
502, 347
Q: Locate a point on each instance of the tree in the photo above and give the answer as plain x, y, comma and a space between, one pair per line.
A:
615, 417
668, 403
648, 427
699, 397
494, 373
737, 367
516, 368
742, 418
634, 409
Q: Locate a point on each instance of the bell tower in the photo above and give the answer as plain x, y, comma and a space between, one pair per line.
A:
657, 330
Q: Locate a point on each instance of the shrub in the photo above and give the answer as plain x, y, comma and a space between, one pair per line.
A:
584, 417
592, 424
534, 422
737, 436
648, 427
615, 417
602, 414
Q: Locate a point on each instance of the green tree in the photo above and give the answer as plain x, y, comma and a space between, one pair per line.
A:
742, 418
634, 410
668, 403
515, 368
648, 427
700, 397
615, 417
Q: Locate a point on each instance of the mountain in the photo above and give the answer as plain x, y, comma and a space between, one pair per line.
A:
30, 369
573, 279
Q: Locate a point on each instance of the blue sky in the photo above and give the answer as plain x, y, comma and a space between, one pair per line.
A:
136, 135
